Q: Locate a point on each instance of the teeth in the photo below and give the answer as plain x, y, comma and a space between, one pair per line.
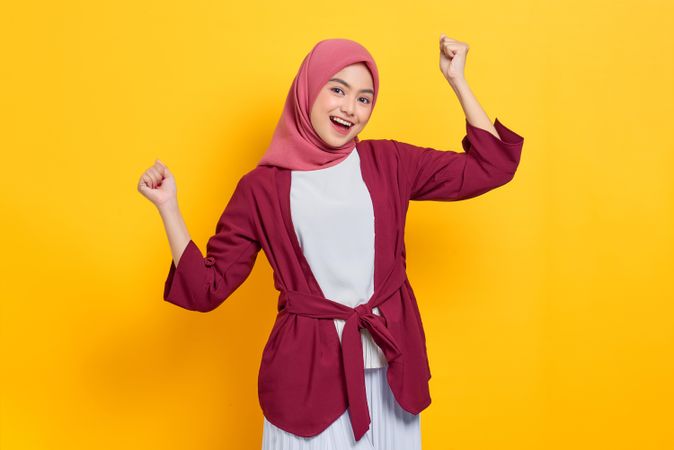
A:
343, 122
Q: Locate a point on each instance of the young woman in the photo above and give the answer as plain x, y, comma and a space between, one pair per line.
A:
346, 357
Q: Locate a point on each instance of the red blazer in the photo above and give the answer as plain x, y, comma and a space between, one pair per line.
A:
306, 378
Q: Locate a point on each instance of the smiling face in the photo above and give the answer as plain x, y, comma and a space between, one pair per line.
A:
348, 95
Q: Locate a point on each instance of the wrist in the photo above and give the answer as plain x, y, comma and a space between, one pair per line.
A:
457, 83
168, 207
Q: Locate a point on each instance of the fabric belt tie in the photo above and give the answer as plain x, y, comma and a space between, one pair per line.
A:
317, 307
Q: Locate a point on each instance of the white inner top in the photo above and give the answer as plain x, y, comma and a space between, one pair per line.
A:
333, 218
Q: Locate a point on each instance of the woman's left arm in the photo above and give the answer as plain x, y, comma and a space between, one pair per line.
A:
452, 65
491, 152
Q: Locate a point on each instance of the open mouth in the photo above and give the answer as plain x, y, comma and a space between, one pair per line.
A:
340, 126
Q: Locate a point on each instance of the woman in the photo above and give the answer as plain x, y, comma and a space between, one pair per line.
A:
346, 358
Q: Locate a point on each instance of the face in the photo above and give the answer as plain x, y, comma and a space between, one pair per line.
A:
348, 95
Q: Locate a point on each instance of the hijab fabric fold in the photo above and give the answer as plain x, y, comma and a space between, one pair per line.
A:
295, 144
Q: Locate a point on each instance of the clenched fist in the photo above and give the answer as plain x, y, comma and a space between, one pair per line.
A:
158, 185
452, 58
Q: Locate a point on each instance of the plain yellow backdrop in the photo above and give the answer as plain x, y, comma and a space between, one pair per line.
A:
548, 303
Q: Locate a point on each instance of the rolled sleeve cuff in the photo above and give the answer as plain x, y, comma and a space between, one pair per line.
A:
476, 135
189, 271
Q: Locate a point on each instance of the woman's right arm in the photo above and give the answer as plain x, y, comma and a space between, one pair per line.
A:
196, 281
176, 230
158, 185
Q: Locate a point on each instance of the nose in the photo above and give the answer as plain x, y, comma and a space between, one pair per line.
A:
348, 107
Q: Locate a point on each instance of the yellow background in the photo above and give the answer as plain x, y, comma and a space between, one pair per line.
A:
548, 303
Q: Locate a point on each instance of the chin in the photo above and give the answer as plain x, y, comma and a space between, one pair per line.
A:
335, 142
334, 145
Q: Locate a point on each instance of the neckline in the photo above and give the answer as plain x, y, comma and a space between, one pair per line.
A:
335, 166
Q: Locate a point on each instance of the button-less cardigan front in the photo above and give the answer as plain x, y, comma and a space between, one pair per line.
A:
307, 378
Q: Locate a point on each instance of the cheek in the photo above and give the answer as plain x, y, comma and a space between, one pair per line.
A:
363, 120
325, 102
320, 108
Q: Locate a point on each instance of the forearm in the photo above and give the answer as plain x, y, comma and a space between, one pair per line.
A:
176, 230
475, 115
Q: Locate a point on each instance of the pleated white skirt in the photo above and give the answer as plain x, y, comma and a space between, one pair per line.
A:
392, 427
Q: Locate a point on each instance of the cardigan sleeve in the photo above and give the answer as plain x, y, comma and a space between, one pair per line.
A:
202, 283
445, 175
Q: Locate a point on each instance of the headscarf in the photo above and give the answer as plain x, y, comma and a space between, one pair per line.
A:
295, 144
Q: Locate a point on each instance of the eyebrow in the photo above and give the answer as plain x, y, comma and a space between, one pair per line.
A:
347, 85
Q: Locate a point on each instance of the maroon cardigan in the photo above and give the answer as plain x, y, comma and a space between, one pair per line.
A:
307, 379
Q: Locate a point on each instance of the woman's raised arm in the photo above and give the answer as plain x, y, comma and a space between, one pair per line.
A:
158, 185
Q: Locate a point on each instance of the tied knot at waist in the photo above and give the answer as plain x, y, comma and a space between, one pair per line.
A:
362, 310
358, 317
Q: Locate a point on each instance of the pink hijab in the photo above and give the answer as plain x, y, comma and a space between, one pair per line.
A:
295, 144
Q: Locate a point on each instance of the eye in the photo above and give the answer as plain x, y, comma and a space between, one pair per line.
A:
335, 89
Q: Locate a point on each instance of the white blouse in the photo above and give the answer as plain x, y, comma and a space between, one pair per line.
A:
333, 218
